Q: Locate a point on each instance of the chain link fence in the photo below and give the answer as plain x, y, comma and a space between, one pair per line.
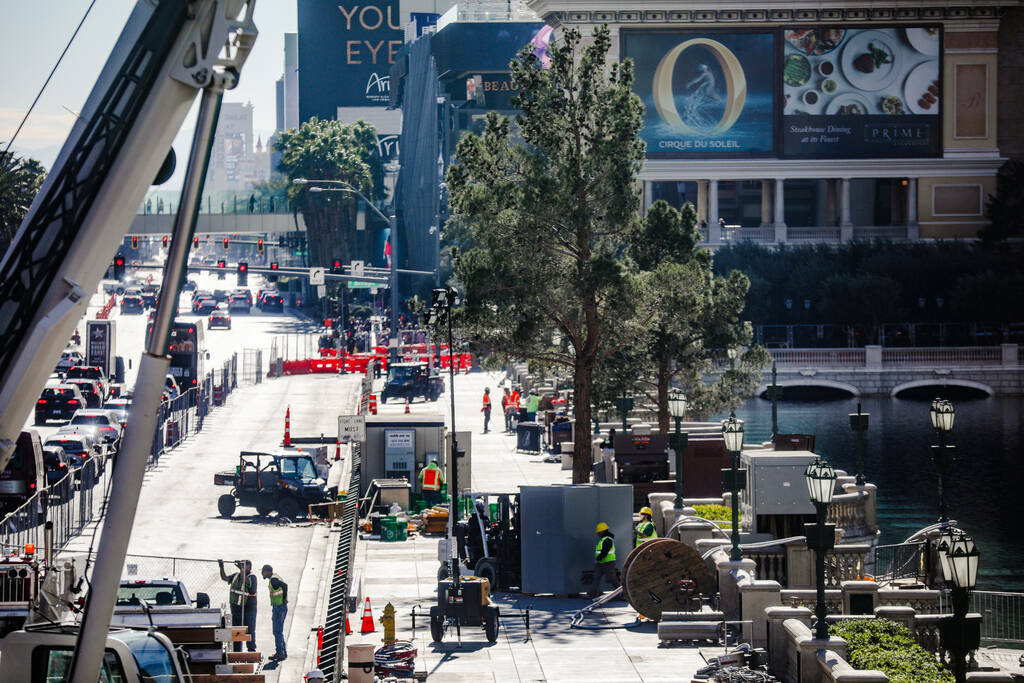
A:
252, 366
198, 575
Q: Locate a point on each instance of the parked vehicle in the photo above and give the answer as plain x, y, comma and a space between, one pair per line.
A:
105, 424
285, 482
25, 474
90, 389
59, 403
219, 318
167, 601
93, 372
407, 381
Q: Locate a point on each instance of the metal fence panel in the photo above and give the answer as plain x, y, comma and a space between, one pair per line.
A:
198, 575
1002, 615
900, 561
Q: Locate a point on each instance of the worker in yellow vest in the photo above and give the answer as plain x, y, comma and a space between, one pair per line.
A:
645, 530
604, 560
431, 479
278, 611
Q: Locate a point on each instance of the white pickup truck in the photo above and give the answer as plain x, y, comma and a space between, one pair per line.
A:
167, 601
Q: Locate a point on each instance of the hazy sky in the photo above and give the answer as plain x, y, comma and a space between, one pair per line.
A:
33, 33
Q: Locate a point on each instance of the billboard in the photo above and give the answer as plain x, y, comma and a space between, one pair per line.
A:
861, 92
705, 93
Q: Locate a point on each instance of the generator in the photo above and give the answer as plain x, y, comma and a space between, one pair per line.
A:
640, 460
488, 541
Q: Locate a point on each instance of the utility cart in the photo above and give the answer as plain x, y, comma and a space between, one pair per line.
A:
287, 482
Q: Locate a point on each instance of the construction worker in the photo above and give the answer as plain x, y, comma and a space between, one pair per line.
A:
645, 530
242, 599
604, 560
279, 610
486, 409
431, 479
513, 402
532, 405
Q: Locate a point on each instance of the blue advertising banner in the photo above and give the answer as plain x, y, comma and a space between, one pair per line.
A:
346, 49
861, 92
705, 93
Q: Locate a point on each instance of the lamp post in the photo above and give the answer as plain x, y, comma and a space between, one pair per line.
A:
775, 393
942, 414
392, 243
821, 481
859, 425
735, 478
677, 407
961, 634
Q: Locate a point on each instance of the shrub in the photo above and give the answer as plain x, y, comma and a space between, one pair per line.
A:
716, 513
888, 647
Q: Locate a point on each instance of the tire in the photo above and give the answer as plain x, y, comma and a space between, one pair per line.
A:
265, 504
436, 625
491, 623
442, 572
487, 569
288, 508
226, 505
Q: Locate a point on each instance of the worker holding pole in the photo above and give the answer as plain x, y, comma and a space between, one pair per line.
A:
645, 530
242, 600
604, 560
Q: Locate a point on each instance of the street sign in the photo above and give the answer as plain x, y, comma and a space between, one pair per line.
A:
351, 428
356, 284
358, 268
321, 291
316, 276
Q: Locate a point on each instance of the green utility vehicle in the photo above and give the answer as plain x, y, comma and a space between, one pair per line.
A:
407, 381
285, 481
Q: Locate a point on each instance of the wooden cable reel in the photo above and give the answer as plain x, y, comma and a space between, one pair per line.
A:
654, 577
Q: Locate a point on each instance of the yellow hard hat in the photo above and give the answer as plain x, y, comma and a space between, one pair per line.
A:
601, 526
647, 511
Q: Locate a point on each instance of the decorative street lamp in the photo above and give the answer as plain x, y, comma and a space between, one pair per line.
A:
942, 414
734, 479
677, 407
961, 634
774, 393
821, 537
859, 425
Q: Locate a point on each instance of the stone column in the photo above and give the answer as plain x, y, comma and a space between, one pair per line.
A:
780, 210
766, 203
714, 231
913, 229
845, 223
648, 194
702, 201
830, 202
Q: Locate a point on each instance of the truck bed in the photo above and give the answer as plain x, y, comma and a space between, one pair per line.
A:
178, 616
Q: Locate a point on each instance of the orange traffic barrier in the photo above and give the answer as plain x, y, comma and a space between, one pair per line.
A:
288, 426
367, 625
407, 406
348, 628
337, 449
373, 404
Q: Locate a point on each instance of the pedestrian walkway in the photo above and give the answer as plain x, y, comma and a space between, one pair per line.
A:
405, 574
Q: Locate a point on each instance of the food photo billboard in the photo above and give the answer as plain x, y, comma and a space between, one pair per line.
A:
861, 92
706, 94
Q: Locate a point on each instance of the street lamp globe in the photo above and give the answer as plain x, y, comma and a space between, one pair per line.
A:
948, 536
942, 414
732, 433
962, 558
821, 479
677, 403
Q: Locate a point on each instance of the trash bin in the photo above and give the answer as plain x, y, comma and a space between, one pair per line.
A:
528, 437
560, 431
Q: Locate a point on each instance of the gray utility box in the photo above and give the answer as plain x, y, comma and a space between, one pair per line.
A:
558, 537
775, 486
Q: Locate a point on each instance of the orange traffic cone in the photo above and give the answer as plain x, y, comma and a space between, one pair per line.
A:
288, 427
337, 449
367, 625
373, 404
348, 629
406, 406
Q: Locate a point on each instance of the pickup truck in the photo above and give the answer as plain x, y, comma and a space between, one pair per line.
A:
167, 601
36, 653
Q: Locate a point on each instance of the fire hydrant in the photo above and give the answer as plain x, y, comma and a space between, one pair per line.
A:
388, 622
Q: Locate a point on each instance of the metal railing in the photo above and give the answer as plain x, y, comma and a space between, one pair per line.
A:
957, 355
900, 561
819, 357
1002, 615
233, 204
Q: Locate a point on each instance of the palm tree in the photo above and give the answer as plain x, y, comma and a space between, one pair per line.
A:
20, 179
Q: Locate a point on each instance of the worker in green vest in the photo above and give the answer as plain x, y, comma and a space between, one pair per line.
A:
431, 479
532, 406
604, 560
645, 530
242, 598
279, 610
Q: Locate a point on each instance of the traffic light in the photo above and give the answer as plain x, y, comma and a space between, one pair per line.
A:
227, 243
164, 240
243, 273
259, 246
336, 266
221, 263
273, 267
135, 241
119, 267
195, 241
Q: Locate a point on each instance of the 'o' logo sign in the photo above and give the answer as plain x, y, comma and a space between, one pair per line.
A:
701, 90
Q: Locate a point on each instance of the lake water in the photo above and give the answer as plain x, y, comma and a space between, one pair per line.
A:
985, 486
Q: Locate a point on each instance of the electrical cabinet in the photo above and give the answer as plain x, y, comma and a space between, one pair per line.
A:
776, 487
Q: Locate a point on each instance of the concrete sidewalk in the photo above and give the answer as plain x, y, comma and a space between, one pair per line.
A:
405, 574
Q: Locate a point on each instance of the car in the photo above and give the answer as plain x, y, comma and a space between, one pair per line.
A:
239, 304
201, 294
242, 291
131, 303
189, 286
93, 372
58, 465
171, 387
68, 359
408, 381
106, 424
204, 306
77, 446
59, 402
219, 318
273, 302
220, 295
91, 391
121, 407
149, 295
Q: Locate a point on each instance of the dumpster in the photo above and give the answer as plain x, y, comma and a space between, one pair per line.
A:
560, 431
528, 437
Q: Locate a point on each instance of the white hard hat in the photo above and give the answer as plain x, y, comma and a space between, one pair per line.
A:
314, 675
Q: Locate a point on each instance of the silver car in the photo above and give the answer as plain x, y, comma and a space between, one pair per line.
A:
105, 425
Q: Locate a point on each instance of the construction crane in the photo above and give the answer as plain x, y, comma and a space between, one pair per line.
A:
169, 52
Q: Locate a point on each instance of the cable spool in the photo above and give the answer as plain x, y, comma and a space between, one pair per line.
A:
653, 576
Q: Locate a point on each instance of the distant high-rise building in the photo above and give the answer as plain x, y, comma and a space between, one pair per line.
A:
291, 81
279, 103
234, 164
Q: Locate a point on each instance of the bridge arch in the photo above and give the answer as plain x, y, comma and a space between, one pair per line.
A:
811, 383
940, 382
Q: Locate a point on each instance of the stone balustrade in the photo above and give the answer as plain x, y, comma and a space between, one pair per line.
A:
835, 668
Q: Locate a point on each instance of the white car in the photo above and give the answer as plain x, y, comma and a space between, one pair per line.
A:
106, 424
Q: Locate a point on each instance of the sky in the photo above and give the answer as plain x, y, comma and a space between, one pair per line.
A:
33, 33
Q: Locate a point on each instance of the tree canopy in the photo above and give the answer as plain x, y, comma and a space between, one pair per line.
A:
20, 180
